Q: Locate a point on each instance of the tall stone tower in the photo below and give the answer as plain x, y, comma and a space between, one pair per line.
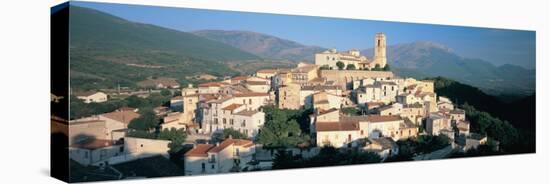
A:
380, 49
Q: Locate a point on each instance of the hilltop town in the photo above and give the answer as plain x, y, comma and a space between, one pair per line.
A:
344, 101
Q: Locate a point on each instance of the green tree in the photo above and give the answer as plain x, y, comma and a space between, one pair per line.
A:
377, 67
135, 101
282, 128
147, 121
165, 92
340, 65
141, 134
324, 67
485, 124
386, 68
285, 160
175, 136
430, 143
226, 133
351, 111
328, 156
350, 67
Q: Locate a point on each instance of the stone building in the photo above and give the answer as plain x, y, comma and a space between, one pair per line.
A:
329, 59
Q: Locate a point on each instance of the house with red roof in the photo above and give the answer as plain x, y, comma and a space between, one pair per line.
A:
229, 155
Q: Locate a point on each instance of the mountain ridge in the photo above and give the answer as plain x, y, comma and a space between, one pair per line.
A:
263, 45
430, 59
107, 51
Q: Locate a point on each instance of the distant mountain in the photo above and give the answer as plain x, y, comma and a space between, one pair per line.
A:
265, 46
107, 50
429, 59
98, 31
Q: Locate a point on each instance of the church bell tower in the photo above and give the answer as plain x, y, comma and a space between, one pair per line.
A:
380, 49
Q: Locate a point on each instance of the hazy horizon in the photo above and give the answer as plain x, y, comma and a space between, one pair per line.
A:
497, 46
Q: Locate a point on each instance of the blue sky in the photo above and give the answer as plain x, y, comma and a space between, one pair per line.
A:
498, 46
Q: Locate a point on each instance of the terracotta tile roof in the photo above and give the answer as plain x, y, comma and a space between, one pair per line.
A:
212, 84
378, 118
231, 107
320, 87
200, 150
336, 126
322, 112
207, 97
121, 116
127, 109
93, 144
356, 119
239, 78
228, 142
256, 83
247, 113
250, 94
79, 122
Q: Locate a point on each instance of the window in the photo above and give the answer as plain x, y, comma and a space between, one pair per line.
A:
237, 152
249, 101
86, 154
203, 167
243, 124
231, 121
379, 43
121, 149
212, 166
216, 121
224, 121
